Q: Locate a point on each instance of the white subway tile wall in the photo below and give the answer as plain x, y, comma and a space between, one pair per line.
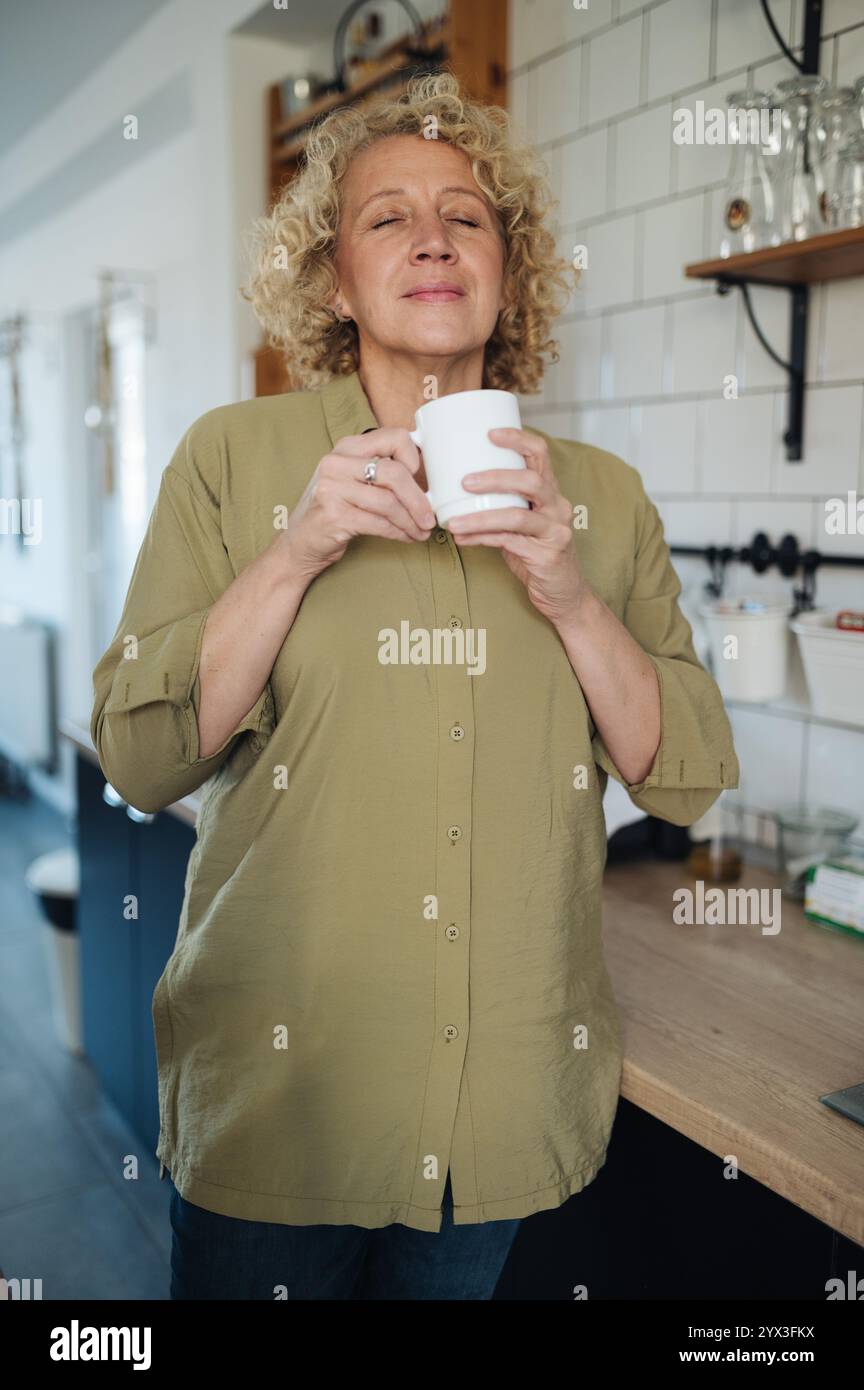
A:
673, 234
584, 163
742, 31
614, 65
643, 157
662, 370
679, 42
633, 360
665, 445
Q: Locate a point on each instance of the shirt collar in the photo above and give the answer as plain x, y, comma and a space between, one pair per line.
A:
346, 407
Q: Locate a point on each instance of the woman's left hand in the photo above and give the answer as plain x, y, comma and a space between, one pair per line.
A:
537, 542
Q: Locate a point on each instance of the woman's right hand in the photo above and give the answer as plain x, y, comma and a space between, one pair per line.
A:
338, 505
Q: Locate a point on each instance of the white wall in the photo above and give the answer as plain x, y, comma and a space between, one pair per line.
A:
171, 209
644, 351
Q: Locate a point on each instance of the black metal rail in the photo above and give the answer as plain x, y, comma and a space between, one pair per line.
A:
787, 557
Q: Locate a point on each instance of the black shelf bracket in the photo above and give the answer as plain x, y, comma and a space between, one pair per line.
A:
812, 36
799, 313
799, 295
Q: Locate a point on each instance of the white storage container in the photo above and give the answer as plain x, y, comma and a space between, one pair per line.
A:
760, 627
55, 880
834, 666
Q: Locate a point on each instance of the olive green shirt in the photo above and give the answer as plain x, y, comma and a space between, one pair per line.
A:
389, 955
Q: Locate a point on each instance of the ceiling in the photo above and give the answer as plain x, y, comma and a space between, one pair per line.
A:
48, 47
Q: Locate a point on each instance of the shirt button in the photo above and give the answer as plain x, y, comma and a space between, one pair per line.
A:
454, 622
454, 832
452, 932
451, 1032
457, 732
441, 537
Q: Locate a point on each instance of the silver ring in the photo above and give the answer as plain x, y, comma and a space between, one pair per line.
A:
370, 470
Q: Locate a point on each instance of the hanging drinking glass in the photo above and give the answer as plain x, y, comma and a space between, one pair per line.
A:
838, 118
846, 208
748, 204
801, 184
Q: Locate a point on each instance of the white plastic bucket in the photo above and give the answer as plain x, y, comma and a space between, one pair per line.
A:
55, 880
834, 666
749, 645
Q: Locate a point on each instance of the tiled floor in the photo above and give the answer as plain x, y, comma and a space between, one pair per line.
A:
67, 1214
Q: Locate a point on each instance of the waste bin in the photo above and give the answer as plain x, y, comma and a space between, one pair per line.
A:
54, 879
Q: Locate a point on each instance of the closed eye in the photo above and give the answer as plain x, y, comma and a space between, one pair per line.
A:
385, 221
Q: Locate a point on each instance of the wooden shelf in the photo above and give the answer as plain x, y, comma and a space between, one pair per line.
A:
470, 39
389, 78
834, 256
434, 33
792, 267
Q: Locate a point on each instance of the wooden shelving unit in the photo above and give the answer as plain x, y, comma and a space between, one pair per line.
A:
834, 256
794, 267
471, 41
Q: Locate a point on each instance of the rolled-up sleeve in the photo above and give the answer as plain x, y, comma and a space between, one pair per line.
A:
144, 722
696, 758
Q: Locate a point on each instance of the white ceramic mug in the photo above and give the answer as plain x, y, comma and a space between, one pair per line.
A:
451, 433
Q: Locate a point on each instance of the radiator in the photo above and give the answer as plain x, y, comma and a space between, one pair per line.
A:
27, 690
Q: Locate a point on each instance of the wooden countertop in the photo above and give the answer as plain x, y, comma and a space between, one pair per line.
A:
79, 735
732, 1035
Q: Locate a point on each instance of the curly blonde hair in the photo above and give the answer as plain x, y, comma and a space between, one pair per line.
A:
293, 276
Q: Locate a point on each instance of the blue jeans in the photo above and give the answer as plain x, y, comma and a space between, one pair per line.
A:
225, 1257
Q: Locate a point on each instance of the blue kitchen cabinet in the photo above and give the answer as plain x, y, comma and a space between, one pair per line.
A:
163, 847
106, 852
132, 879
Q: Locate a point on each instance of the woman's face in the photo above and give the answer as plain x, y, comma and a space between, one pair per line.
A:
413, 214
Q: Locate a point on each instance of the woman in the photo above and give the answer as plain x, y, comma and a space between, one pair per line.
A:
386, 1033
